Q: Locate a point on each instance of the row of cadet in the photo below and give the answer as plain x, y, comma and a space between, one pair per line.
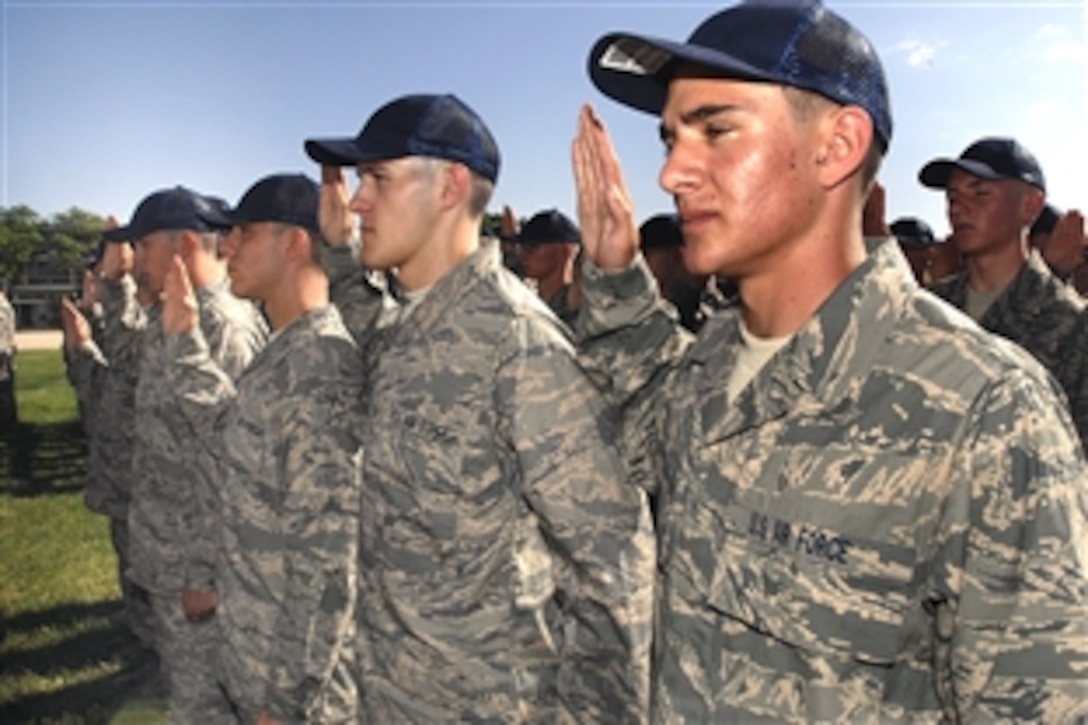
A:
358, 471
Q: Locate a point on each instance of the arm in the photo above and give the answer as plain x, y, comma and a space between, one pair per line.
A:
1011, 618
595, 522
318, 474
357, 294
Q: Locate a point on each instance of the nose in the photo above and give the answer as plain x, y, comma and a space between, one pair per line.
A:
680, 173
230, 244
361, 200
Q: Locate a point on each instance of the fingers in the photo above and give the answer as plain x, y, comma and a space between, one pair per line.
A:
605, 210
336, 219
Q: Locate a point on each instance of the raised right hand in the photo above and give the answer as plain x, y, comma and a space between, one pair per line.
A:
77, 331
605, 210
179, 308
336, 220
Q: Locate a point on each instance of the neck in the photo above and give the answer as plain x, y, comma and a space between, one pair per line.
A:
995, 268
450, 245
803, 275
295, 295
547, 287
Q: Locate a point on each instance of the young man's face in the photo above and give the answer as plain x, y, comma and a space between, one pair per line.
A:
543, 260
256, 259
153, 255
398, 203
985, 214
739, 167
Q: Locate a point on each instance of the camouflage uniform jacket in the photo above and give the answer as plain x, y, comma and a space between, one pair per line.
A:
1045, 317
506, 570
7, 326
886, 525
171, 515
285, 434
103, 373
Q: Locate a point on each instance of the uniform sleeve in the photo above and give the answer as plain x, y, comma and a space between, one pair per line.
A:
596, 525
123, 320
1075, 357
1010, 621
86, 368
202, 389
357, 294
319, 473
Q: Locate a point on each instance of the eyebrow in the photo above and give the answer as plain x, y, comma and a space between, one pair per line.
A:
697, 115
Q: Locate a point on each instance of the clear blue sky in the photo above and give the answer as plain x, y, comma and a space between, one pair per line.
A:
104, 102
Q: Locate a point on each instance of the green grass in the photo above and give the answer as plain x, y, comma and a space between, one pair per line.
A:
64, 655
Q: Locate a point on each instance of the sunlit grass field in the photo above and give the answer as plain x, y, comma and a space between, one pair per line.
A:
64, 653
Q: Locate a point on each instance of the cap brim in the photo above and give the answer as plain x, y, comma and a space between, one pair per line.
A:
118, 234
334, 151
635, 70
216, 218
936, 173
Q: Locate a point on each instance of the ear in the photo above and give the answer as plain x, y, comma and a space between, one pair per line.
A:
188, 244
455, 184
847, 135
1031, 205
298, 244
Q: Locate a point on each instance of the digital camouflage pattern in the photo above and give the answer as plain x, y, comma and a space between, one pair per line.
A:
887, 524
171, 518
506, 563
1046, 317
286, 435
103, 373
171, 514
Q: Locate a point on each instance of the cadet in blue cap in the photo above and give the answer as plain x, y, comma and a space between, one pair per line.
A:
289, 501
173, 509
547, 247
505, 561
869, 510
995, 191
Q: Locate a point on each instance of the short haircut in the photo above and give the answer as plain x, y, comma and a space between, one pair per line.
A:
807, 105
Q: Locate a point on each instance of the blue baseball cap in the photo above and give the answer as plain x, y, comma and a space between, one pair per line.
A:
798, 44
549, 226
914, 233
438, 126
173, 209
661, 231
283, 198
991, 158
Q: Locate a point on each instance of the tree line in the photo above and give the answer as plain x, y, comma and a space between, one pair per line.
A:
63, 240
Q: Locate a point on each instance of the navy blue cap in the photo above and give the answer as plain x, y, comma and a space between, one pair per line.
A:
176, 208
798, 44
914, 233
283, 198
549, 226
441, 127
94, 256
988, 158
1046, 221
661, 232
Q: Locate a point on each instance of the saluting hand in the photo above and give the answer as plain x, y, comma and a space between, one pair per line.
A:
179, 308
89, 294
605, 211
117, 257
1065, 249
337, 221
77, 331
508, 227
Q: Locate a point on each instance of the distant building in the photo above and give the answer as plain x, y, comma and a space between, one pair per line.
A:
36, 298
